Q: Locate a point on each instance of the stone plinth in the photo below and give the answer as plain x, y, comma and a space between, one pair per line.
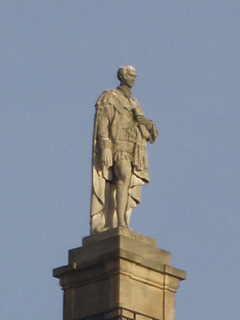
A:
119, 274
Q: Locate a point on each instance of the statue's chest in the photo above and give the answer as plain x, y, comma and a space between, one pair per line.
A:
124, 107
124, 127
124, 113
128, 103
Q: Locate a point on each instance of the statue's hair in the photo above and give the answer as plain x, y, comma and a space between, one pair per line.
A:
121, 71
120, 74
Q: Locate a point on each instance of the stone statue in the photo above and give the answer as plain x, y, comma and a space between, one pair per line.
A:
120, 164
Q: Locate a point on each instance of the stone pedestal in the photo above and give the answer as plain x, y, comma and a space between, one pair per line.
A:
119, 274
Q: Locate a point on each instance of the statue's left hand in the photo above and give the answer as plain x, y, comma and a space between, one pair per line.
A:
142, 120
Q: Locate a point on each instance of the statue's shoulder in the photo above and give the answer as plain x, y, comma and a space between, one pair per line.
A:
108, 97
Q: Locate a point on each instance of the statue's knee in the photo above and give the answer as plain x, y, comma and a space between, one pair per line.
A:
119, 184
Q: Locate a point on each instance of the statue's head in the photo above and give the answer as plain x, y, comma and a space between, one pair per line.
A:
127, 75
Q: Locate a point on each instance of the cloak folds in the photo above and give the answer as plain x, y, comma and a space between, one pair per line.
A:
103, 185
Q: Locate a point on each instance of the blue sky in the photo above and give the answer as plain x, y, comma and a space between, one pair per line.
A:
56, 58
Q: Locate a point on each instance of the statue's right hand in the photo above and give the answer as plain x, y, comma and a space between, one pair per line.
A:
107, 157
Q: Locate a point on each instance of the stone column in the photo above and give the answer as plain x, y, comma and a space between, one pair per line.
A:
119, 274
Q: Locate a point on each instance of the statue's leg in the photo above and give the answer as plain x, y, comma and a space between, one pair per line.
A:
123, 172
110, 205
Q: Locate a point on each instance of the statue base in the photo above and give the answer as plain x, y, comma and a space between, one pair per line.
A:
119, 274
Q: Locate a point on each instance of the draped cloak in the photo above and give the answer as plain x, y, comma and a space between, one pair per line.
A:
116, 129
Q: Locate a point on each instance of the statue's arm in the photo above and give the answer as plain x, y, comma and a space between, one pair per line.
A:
103, 134
153, 132
149, 124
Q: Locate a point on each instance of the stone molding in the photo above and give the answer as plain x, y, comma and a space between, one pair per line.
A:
119, 269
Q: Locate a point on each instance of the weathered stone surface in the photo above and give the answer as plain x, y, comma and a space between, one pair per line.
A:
120, 270
119, 241
119, 231
120, 164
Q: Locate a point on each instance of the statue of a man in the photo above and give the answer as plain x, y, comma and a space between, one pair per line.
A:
120, 165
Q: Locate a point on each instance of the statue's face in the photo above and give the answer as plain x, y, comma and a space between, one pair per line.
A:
129, 77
